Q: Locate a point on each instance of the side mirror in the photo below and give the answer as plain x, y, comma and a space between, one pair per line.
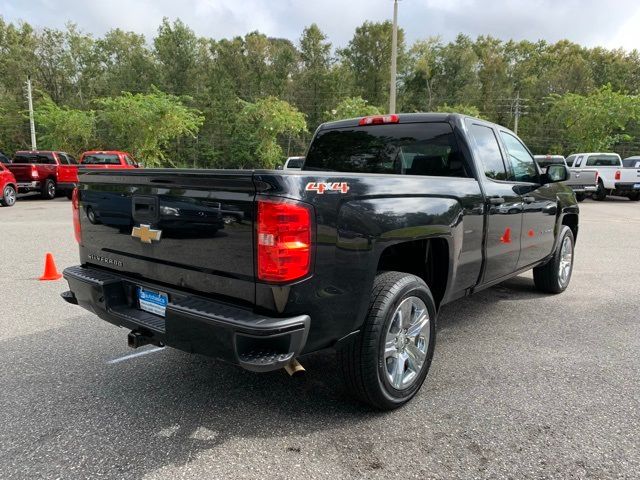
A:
556, 173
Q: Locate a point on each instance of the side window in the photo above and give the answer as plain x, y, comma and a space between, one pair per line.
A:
63, 159
570, 160
522, 163
128, 160
489, 152
579, 161
72, 160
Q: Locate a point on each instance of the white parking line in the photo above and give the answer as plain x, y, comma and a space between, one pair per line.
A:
134, 355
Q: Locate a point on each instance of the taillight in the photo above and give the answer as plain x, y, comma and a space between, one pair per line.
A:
75, 206
597, 177
617, 175
379, 120
34, 171
284, 240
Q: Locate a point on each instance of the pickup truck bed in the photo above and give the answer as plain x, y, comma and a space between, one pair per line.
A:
260, 267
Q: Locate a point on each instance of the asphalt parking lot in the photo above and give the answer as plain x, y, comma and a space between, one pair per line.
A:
523, 385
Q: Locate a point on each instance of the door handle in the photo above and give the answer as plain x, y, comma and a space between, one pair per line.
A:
496, 200
529, 199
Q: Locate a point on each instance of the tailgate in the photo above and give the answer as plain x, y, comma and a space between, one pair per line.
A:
191, 230
21, 171
629, 175
582, 177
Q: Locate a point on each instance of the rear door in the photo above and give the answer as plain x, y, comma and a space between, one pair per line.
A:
67, 168
539, 201
504, 207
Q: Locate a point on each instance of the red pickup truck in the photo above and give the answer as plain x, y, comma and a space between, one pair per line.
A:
45, 171
8, 187
108, 159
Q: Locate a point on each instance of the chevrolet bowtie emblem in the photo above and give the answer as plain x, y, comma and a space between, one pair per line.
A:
146, 234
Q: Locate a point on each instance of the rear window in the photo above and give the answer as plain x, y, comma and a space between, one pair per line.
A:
603, 161
101, 159
42, 158
295, 162
406, 149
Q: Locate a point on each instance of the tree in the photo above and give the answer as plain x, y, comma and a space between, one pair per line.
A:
597, 121
351, 107
176, 48
256, 132
368, 55
146, 123
63, 128
470, 110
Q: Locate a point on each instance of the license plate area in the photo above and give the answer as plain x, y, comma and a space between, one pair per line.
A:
152, 301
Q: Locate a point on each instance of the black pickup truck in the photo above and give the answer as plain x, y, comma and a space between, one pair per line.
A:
390, 218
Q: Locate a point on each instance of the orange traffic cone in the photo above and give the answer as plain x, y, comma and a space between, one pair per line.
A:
50, 269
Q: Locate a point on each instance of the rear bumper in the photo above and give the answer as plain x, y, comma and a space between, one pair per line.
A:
29, 186
628, 187
584, 188
193, 324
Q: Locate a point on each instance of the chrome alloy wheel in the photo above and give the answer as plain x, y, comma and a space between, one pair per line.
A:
9, 196
406, 343
566, 260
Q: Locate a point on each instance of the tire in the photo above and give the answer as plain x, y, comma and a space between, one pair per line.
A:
634, 197
580, 197
601, 193
48, 190
69, 194
91, 215
369, 361
555, 275
9, 196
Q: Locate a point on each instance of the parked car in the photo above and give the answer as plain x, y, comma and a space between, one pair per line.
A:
582, 182
293, 163
613, 178
8, 187
390, 218
4, 158
108, 159
43, 171
631, 162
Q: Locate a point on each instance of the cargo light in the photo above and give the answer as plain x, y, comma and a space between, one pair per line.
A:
283, 240
379, 120
75, 206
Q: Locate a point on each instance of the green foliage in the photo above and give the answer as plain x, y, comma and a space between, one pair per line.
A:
63, 128
257, 129
146, 123
470, 110
352, 107
76, 69
595, 122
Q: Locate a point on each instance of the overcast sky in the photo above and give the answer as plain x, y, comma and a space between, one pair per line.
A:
614, 23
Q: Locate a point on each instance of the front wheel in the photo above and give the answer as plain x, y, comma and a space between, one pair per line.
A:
387, 362
554, 276
48, 189
8, 196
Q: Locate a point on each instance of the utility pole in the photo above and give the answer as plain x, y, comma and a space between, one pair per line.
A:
394, 55
516, 113
32, 124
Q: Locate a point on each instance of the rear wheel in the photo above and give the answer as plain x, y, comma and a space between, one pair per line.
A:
8, 196
48, 189
580, 197
600, 194
554, 276
634, 197
386, 364
69, 194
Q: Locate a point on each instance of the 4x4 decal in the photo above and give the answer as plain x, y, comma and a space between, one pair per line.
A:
321, 187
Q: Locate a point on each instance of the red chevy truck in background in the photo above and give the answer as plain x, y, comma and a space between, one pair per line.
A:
45, 171
108, 159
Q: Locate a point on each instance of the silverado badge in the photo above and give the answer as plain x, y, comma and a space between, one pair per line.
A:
146, 234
